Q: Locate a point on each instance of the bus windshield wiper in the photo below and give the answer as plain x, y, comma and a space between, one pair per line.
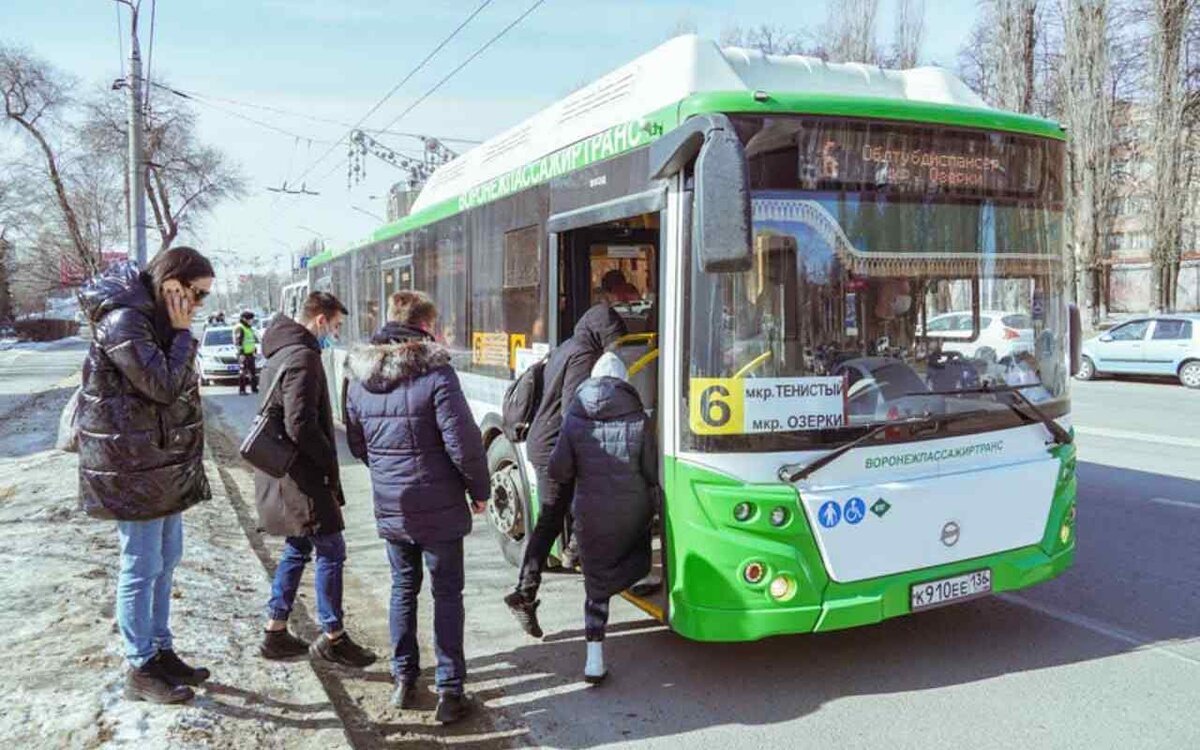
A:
791, 473
1061, 436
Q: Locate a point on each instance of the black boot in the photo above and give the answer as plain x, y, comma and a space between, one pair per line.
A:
280, 644
341, 651
526, 613
405, 695
150, 683
452, 707
180, 670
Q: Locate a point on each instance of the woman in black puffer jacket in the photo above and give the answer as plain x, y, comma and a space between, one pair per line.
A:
607, 449
141, 445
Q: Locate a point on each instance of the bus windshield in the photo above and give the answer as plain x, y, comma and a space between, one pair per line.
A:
899, 271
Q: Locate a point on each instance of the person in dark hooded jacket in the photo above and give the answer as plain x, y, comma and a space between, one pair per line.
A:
607, 449
569, 365
304, 505
141, 447
408, 420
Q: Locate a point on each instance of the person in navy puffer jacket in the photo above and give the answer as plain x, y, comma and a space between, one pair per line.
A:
408, 420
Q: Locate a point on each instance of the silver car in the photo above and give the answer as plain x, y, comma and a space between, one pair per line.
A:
1167, 344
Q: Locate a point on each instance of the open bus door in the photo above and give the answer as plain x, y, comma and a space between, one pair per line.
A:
581, 258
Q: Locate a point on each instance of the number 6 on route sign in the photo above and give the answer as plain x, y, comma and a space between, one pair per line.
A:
737, 406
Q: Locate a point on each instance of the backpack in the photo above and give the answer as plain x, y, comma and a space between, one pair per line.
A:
521, 401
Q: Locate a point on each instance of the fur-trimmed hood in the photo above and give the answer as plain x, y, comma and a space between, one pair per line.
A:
382, 367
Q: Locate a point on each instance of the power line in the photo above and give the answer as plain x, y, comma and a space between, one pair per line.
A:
150, 56
466, 62
396, 88
304, 115
450, 75
120, 39
239, 115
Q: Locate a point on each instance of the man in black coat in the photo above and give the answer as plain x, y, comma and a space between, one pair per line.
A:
569, 365
304, 506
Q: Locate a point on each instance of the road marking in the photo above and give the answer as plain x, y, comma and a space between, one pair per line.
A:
1145, 437
1175, 503
1088, 623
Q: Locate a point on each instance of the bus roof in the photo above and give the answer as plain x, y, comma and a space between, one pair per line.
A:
668, 74
684, 76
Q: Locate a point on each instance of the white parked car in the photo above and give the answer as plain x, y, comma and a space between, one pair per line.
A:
218, 356
1001, 334
1153, 345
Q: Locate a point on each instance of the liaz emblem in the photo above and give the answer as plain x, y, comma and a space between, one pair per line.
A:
880, 507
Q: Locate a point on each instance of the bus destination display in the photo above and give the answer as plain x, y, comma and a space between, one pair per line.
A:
738, 406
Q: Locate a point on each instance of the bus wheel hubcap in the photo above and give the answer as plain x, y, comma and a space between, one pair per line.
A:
504, 509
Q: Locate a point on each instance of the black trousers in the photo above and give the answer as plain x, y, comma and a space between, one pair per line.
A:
554, 504
249, 373
595, 618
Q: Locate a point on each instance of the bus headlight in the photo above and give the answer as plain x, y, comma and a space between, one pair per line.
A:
754, 572
743, 511
780, 516
782, 588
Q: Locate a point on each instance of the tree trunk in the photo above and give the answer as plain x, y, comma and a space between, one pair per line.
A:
88, 258
1168, 22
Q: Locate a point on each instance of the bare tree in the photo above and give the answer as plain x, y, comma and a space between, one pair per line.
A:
850, 31
184, 179
1088, 115
35, 96
1168, 19
1017, 39
909, 32
770, 40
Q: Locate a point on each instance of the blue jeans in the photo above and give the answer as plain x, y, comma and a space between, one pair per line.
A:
331, 555
150, 550
445, 561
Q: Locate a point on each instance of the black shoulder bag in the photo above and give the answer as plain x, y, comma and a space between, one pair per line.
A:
267, 446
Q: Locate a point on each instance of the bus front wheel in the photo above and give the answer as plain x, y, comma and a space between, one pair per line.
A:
508, 506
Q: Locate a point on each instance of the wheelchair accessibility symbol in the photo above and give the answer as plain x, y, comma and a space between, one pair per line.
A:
854, 511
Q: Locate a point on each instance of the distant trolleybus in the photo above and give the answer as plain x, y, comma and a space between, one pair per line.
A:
846, 307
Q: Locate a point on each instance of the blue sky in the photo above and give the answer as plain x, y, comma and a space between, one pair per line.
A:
335, 58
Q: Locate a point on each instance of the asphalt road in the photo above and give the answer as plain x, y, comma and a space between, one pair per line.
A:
1108, 655
25, 370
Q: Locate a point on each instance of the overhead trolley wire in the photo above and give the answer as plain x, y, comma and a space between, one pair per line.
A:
396, 88
466, 62
306, 116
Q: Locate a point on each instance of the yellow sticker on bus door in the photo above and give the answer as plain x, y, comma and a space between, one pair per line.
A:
717, 406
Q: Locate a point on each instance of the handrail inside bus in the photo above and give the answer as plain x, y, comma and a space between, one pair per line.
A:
644, 360
636, 338
753, 364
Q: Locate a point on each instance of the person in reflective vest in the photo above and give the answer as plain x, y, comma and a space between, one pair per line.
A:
247, 345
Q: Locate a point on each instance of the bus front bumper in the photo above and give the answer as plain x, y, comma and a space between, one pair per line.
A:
848, 605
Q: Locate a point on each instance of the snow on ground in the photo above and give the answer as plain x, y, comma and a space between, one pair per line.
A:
63, 666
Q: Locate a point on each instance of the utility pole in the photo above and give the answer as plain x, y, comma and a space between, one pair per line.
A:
137, 147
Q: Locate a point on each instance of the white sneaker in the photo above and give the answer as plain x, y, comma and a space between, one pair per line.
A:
593, 670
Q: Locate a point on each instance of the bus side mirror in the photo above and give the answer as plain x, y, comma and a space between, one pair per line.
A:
1076, 338
721, 213
721, 219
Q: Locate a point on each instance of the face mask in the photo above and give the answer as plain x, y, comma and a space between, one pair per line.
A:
325, 341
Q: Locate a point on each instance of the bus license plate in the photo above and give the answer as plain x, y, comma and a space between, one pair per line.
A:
949, 590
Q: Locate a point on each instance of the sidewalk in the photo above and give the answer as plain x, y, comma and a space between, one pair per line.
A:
64, 669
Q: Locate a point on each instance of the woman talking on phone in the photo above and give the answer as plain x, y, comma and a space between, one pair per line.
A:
141, 444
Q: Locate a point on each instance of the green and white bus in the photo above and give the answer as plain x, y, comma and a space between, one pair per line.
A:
847, 317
